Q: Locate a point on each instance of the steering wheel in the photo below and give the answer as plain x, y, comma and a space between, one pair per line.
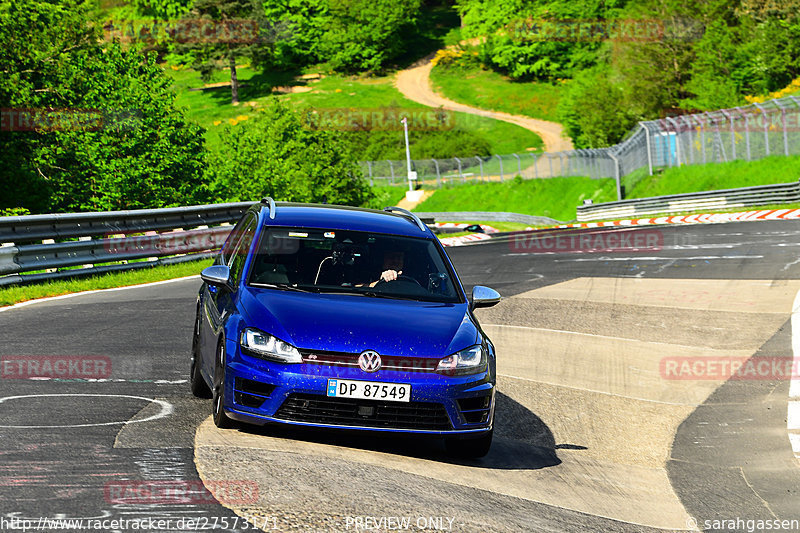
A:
401, 277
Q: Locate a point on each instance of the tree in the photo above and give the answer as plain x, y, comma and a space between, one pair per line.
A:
137, 150
278, 154
544, 40
230, 30
593, 110
351, 35
366, 34
305, 22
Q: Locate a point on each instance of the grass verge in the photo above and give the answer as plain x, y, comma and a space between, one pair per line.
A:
16, 294
555, 198
212, 108
712, 176
489, 90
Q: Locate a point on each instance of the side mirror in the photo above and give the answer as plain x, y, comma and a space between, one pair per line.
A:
484, 297
217, 276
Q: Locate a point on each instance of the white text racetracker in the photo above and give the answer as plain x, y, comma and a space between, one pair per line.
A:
369, 390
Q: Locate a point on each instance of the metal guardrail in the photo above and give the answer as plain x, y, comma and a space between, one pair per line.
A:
56, 243
489, 216
722, 199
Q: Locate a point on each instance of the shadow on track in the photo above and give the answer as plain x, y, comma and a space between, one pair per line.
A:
522, 441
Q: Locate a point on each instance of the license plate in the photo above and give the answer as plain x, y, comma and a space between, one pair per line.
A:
369, 390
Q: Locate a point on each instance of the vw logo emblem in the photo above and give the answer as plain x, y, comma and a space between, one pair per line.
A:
369, 361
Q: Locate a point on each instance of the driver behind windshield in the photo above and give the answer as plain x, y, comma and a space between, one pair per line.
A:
392, 267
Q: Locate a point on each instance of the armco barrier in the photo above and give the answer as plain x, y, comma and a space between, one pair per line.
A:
677, 203
489, 216
36, 243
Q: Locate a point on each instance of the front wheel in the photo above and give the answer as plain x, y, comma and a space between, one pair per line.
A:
221, 420
198, 385
467, 448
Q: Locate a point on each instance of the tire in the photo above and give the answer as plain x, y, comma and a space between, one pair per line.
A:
221, 420
465, 448
198, 385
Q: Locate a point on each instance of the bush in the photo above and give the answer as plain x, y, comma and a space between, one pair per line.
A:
276, 154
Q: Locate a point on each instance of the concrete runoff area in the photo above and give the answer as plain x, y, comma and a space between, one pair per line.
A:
595, 396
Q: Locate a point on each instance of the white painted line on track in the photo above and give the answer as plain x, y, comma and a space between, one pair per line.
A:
646, 258
593, 391
793, 414
581, 333
793, 417
166, 409
70, 295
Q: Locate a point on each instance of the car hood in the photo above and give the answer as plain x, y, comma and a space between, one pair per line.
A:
352, 324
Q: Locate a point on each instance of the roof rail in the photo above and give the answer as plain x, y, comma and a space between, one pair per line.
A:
407, 213
268, 200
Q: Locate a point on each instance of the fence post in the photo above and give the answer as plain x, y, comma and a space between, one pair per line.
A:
480, 162
649, 152
519, 165
746, 129
718, 138
733, 134
702, 137
616, 174
391, 169
535, 166
460, 174
766, 128
438, 176
797, 103
501, 167
785, 133
691, 152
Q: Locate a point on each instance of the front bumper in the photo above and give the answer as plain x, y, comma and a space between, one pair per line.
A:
260, 392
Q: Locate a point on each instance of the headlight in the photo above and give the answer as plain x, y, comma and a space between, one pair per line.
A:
469, 361
266, 346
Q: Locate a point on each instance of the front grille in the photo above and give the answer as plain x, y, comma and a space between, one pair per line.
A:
366, 413
388, 362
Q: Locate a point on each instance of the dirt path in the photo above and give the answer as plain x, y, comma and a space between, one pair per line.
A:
415, 85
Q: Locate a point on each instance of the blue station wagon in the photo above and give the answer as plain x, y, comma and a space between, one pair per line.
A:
339, 317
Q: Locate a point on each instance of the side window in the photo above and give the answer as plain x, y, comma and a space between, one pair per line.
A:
239, 254
233, 239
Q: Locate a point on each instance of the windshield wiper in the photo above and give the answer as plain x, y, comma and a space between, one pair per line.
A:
283, 287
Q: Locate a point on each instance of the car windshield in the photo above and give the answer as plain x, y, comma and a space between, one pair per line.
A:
320, 260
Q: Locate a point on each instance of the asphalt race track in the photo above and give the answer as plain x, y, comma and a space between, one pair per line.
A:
593, 431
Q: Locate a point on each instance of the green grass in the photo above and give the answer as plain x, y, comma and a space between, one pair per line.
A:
555, 198
558, 197
21, 293
499, 226
388, 195
212, 109
712, 176
489, 90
